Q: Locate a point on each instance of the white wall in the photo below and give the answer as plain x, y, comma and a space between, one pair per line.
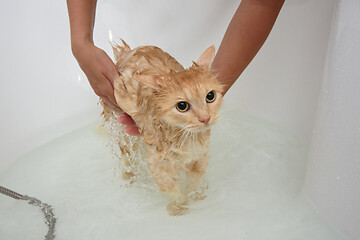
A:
41, 95
333, 174
283, 82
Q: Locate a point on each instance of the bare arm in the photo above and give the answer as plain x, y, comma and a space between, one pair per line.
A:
82, 19
96, 64
246, 33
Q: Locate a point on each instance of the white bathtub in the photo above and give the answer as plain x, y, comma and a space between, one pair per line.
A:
44, 94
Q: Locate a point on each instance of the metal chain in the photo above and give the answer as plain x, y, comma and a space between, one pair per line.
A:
45, 208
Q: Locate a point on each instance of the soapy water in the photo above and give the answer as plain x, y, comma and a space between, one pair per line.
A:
137, 159
135, 154
254, 179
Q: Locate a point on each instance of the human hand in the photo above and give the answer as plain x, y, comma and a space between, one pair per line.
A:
130, 125
101, 72
99, 69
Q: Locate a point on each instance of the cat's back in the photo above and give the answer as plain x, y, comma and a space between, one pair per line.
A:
149, 60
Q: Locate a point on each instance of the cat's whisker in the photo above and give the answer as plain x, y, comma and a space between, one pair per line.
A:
188, 133
182, 129
180, 139
183, 139
193, 135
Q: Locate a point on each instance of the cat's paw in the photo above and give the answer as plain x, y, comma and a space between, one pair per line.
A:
128, 176
196, 196
176, 209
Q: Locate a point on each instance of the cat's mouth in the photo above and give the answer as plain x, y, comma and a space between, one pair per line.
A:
198, 128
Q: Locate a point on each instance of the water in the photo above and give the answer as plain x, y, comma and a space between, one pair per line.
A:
50, 219
136, 155
255, 179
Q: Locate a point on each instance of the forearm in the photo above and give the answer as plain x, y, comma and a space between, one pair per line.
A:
246, 33
82, 19
95, 63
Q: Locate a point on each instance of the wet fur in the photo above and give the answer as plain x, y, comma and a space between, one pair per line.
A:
150, 85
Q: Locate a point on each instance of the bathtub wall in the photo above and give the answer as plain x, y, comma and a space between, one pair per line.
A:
333, 174
44, 94
282, 83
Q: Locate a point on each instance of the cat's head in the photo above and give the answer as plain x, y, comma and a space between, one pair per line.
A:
188, 99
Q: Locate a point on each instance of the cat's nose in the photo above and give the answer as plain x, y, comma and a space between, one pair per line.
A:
205, 119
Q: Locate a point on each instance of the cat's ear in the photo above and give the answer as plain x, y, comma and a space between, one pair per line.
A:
149, 81
206, 58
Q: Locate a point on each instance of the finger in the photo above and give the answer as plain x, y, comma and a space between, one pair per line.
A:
132, 130
111, 78
111, 96
126, 119
107, 90
114, 105
108, 102
112, 73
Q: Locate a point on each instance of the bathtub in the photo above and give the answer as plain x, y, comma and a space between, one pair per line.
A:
296, 81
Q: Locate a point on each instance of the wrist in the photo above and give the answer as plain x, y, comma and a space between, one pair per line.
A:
79, 44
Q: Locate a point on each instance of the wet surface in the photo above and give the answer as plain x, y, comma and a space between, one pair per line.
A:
254, 180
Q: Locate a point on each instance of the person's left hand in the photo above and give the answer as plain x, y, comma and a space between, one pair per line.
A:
130, 125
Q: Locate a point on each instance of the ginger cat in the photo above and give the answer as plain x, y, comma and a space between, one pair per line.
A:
173, 108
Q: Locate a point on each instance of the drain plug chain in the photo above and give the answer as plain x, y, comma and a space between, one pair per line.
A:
47, 210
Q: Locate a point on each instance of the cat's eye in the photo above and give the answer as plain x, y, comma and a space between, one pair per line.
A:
210, 97
182, 106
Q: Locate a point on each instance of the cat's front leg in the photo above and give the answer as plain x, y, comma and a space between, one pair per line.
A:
195, 172
167, 180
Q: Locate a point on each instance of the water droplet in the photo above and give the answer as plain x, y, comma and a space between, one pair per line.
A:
110, 36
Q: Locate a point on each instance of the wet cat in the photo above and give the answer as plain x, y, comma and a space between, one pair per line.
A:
174, 109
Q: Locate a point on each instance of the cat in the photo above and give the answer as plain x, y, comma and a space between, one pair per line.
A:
174, 109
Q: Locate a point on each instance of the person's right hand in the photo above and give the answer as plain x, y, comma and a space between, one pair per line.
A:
101, 73
130, 125
99, 69
95, 63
